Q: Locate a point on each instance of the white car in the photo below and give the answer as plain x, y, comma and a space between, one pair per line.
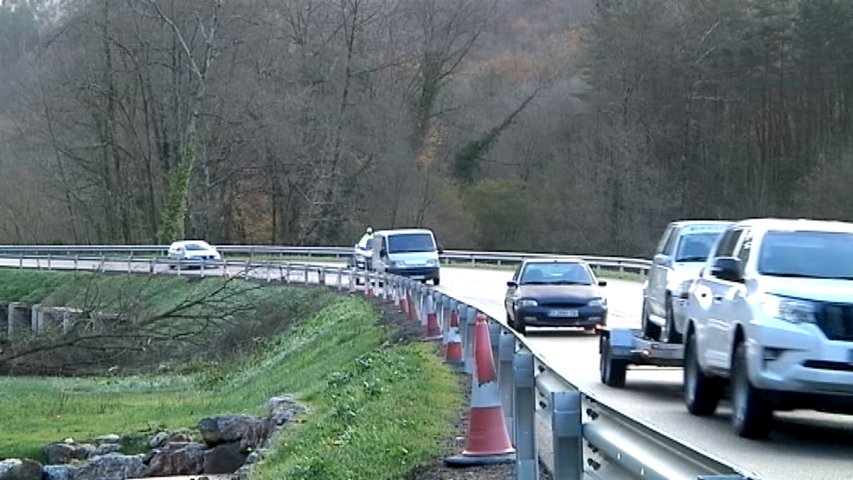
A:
362, 254
192, 253
771, 316
680, 254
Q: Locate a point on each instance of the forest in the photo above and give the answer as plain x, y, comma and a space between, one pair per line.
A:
571, 126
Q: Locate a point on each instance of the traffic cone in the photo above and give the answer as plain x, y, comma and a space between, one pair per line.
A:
404, 302
352, 282
487, 441
432, 326
410, 307
453, 340
368, 286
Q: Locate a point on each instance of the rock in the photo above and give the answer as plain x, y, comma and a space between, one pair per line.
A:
106, 448
113, 466
249, 431
177, 459
111, 438
281, 410
180, 437
224, 458
60, 453
15, 469
158, 440
58, 472
255, 456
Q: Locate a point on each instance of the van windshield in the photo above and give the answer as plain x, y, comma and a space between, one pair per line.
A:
695, 247
807, 254
410, 242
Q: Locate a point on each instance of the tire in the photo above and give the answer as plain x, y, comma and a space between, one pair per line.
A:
650, 329
519, 326
436, 281
612, 371
701, 392
669, 333
752, 417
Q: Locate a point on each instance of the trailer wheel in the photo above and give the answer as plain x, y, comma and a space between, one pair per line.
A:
612, 370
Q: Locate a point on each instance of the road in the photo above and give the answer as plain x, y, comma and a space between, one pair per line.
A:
804, 445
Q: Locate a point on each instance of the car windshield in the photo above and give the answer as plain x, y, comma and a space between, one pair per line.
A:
557, 273
694, 247
807, 254
410, 242
196, 246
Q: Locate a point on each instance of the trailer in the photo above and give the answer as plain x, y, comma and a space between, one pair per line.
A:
620, 347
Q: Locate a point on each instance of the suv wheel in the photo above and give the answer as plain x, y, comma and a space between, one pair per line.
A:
701, 392
751, 415
650, 329
669, 334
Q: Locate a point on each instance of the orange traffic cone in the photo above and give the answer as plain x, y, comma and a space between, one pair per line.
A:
487, 441
432, 326
410, 308
453, 340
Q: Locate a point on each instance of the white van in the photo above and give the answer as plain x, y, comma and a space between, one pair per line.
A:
410, 252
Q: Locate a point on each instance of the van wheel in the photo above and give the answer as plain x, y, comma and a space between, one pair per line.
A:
701, 393
751, 415
436, 281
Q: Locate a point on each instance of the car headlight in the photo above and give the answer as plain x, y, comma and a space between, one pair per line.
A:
789, 309
528, 302
432, 262
597, 302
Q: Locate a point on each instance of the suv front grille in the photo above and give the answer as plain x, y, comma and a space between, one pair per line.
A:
836, 321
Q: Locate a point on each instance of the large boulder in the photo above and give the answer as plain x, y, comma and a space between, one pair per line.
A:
176, 459
111, 438
113, 466
59, 472
105, 448
14, 469
158, 440
59, 453
224, 458
281, 410
250, 431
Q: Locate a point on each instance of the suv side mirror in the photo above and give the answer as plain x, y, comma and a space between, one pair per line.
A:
440, 249
602, 283
727, 268
512, 284
663, 260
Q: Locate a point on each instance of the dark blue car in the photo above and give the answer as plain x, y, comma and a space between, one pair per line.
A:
555, 293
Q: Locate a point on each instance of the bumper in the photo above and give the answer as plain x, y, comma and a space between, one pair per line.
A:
562, 317
416, 273
362, 263
799, 359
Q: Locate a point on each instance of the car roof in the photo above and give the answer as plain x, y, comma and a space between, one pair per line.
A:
797, 224
185, 242
553, 260
688, 223
402, 231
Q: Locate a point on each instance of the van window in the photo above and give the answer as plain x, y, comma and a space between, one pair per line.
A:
410, 242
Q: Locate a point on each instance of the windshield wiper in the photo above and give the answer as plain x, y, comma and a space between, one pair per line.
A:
691, 259
535, 283
794, 275
569, 282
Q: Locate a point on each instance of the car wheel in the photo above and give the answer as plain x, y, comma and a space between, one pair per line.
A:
751, 415
612, 371
436, 281
669, 333
650, 329
509, 321
701, 392
519, 326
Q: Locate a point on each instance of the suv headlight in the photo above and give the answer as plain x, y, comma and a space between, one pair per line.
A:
789, 309
432, 262
597, 302
528, 302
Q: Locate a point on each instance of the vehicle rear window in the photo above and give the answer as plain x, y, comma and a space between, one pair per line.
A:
807, 254
195, 246
556, 273
410, 242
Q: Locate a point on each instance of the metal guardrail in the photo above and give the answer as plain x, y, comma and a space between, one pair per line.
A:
573, 432
621, 264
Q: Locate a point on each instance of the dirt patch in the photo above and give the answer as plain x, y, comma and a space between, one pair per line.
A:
436, 469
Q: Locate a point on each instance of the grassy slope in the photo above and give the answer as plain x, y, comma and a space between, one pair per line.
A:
377, 408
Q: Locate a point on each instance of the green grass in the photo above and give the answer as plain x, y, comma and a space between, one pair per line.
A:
376, 408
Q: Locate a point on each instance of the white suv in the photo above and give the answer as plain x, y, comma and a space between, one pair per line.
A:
680, 254
771, 315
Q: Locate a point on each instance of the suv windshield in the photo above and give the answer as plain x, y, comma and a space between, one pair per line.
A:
410, 242
807, 254
695, 247
196, 246
556, 273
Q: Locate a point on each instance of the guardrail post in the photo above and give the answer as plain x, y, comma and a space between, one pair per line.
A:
48, 262
340, 282
201, 270
151, 262
506, 351
21, 262
321, 276
470, 319
524, 413
130, 264
567, 428
269, 272
76, 263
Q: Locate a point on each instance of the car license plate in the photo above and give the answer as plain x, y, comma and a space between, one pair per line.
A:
563, 313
